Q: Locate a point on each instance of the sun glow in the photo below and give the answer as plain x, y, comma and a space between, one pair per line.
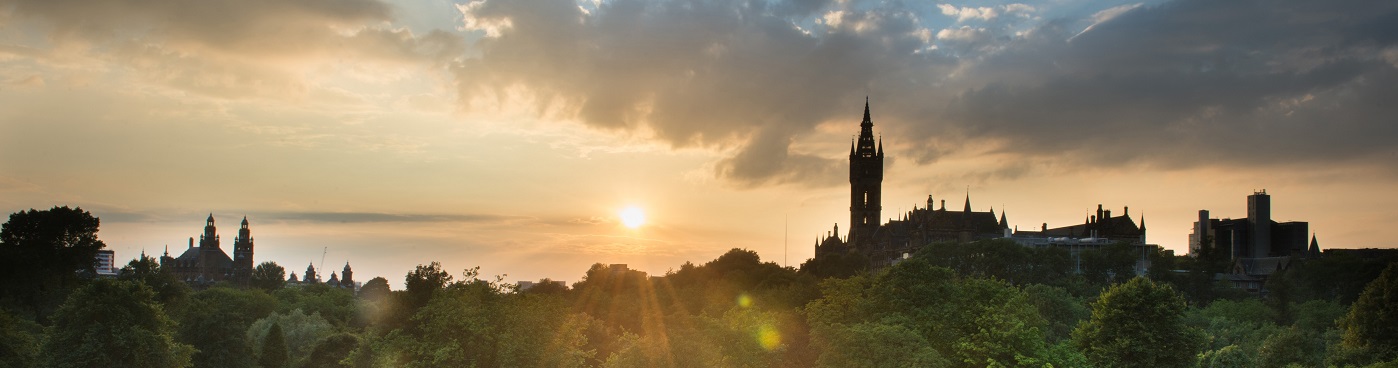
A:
633, 217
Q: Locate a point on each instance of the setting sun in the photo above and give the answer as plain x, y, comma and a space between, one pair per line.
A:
633, 217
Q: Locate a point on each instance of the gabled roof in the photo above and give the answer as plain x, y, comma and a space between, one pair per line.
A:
1111, 227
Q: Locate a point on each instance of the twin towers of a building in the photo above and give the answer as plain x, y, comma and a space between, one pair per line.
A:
865, 181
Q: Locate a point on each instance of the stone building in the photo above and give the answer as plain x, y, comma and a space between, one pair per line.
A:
208, 263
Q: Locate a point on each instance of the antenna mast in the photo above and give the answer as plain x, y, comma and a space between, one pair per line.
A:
322, 261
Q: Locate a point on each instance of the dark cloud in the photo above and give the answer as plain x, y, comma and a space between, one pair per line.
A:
750, 76
1181, 84
1193, 83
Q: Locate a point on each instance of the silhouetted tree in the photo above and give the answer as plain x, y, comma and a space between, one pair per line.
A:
44, 255
376, 289
423, 282
547, 286
269, 276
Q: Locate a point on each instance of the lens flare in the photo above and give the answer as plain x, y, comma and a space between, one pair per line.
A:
744, 300
768, 337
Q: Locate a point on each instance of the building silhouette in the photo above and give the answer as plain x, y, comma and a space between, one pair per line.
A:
1257, 245
208, 263
886, 243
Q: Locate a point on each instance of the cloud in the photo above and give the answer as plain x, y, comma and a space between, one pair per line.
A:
227, 48
1192, 83
734, 77
985, 13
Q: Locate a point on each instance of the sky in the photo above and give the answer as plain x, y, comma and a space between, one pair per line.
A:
511, 134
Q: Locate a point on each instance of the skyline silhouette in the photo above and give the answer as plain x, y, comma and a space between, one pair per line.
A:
512, 134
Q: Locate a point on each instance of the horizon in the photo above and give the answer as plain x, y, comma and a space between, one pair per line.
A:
512, 136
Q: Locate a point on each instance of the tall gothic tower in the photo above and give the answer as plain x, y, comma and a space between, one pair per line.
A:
242, 253
209, 250
865, 181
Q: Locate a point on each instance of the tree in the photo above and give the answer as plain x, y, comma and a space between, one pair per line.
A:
423, 282
1138, 324
1371, 327
169, 290
216, 321
269, 276
330, 351
872, 344
375, 290
274, 354
113, 323
43, 254
19, 341
298, 332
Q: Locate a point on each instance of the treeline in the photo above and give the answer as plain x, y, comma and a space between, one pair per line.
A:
979, 304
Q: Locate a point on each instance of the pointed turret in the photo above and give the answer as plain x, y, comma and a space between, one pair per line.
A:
880, 145
1314, 251
1003, 223
968, 202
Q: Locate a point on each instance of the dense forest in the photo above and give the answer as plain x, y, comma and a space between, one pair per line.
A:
989, 303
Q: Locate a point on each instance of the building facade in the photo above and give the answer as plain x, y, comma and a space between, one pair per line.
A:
208, 263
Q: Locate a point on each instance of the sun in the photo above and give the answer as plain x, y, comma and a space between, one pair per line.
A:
633, 217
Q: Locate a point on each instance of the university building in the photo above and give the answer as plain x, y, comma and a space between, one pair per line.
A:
885, 243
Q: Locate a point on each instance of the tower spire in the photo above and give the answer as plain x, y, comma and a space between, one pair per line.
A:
968, 200
866, 110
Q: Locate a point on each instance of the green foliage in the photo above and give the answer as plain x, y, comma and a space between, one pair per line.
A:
1372, 323
1001, 259
969, 322
44, 255
169, 290
336, 305
19, 341
332, 351
273, 351
216, 321
1230, 356
1292, 346
874, 345
300, 333
1061, 310
1138, 323
113, 323
268, 276
1110, 264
